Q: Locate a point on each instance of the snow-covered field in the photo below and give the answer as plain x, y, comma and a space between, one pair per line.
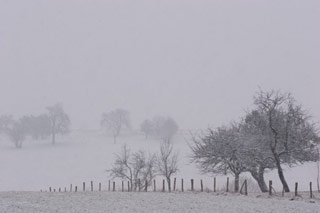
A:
86, 155
33, 202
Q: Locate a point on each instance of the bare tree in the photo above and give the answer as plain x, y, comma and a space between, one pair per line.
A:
167, 163
133, 167
291, 135
219, 151
115, 121
59, 121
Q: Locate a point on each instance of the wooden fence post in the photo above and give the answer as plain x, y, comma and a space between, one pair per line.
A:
122, 186
59, 189
49, 189
76, 189
174, 184
92, 186
227, 184
270, 187
84, 186
182, 185
154, 186
99, 187
65, 189
311, 195
114, 186
139, 184
214, 185
129, 187
70, 187
296, 189
192, 188
163, 186
146, 186
201, 183
109, 186
245, 187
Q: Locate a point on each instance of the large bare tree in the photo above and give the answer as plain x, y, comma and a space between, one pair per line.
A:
291, 136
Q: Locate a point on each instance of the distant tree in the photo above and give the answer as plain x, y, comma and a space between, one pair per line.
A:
167, 163
59, 121
161, 127
37, 126
133, 167
14, 129
115, 121
147, 127
6, 122
292, 138
220, 151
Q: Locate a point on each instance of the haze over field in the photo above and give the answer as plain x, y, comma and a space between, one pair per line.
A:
197, 61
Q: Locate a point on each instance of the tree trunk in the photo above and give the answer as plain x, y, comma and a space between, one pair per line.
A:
258, 176
280, 172
236, 182
169, 184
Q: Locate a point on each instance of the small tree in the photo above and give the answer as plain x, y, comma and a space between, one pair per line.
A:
134, 167
115, 121
167, 163
59, 121
220, 151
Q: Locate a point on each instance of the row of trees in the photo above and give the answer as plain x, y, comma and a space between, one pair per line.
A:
118, 120
140, 169
54, 121
276, 132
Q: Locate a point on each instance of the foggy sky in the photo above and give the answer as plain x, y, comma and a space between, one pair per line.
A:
199, 61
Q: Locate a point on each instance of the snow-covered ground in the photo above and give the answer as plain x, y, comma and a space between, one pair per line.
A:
33, 202
86, 155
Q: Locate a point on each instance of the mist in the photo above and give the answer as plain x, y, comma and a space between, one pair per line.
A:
200, 62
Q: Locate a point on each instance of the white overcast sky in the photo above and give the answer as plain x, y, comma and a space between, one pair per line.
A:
199, 61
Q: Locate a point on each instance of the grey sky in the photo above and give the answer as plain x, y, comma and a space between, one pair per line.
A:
198, 61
